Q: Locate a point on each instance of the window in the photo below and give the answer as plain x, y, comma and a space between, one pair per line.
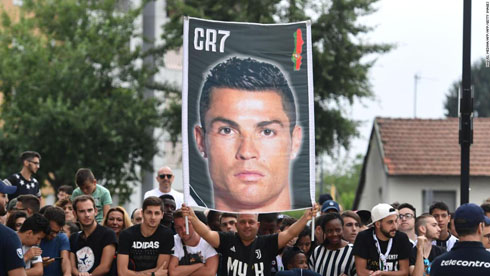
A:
431, 196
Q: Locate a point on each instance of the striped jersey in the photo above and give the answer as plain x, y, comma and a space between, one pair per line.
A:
333, 262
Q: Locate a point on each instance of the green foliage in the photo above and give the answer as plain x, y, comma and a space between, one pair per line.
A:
339, 75
345, 179
73, 91
480, 80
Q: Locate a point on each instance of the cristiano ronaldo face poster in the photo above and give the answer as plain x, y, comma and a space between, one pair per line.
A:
247, 116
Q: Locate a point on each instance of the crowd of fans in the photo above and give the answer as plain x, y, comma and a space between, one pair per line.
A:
81, 234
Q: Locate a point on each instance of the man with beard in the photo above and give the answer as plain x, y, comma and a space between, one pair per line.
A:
11, 257
382, 250
144, 249
425, 252
192, 254
24, 180
92, 249
245, 253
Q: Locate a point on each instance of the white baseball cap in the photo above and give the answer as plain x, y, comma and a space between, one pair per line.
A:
381, 211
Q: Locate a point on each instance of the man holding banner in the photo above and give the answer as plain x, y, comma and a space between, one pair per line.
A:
248, 113
245, 253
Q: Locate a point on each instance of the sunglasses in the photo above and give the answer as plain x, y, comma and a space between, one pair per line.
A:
162, 176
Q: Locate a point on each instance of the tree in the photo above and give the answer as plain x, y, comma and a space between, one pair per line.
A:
339, 75
480, 80
345, 178
73, 91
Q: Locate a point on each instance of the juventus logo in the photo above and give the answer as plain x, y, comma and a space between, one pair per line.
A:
258, 253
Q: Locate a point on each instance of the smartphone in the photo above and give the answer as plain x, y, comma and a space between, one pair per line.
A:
58, 258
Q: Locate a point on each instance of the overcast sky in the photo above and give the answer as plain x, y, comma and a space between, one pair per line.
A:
428, 38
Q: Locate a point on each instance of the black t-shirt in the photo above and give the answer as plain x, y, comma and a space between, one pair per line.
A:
88, 251
24, 187
434, 253
252, 260
144, 251
465, 258
365, 247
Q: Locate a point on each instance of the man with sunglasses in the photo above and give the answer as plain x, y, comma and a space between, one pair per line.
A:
165, 178
24, 180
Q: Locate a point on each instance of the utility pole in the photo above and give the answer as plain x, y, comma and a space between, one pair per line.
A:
466, 107
416, 78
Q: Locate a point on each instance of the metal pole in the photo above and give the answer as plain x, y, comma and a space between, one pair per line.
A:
415, 79
466, 106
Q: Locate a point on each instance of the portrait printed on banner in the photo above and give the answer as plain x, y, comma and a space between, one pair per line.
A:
249, 126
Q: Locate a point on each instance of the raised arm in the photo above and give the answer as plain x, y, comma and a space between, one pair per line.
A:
212, 237
296, 228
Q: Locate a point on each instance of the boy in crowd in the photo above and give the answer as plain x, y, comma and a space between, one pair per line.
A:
406, 221
382, 249
64, 192
146, 248
425, 252
56, 245
34, 228
227, 222
93, 248
87, 184
440, 211
192, 254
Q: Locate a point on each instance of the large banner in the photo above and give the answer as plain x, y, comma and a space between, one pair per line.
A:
247, 116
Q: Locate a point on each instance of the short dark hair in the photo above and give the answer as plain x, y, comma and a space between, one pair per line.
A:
421, 221
178, 214
66, 188
465, 230
82, 175
289, 254
63, 202
250, 75
286, 222
267, 217
167, 196
55, 214
152, 201
227, 215
438, 205
353, 215
30, 202
409, 206
13, 218
486, 207
73, 227
37, 223
28, 155
82, 198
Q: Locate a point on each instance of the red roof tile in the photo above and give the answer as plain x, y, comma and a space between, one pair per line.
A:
430, 147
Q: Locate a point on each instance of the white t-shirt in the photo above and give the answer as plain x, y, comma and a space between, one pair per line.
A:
34, 260
203, 249
178, 196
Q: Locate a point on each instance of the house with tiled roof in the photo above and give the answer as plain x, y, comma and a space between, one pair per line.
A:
418, 161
